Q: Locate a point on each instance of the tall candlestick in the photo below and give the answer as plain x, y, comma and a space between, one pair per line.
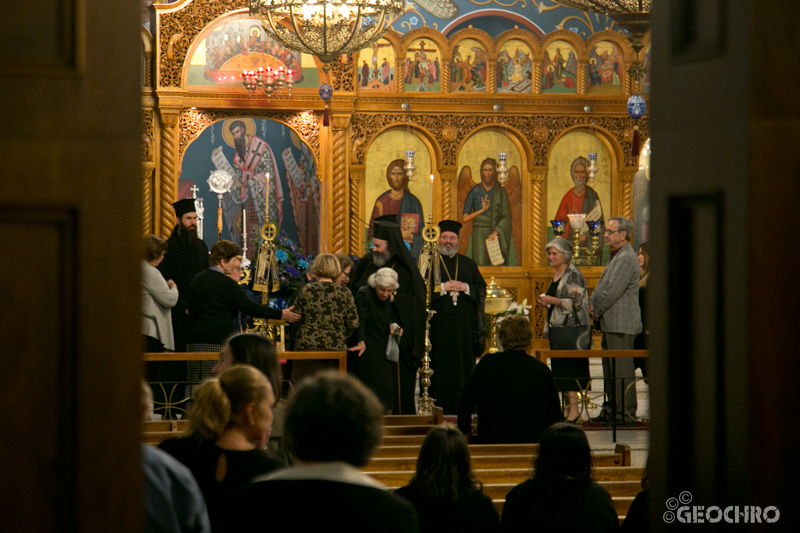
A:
431, 196
266, 215
244, 228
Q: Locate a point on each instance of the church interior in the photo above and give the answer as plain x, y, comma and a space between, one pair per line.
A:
124, 111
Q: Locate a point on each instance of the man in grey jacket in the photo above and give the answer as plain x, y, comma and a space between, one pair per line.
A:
615, 303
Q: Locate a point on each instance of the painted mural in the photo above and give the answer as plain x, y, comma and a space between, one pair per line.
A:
261, 155
491, 213
604, 70
390, 191
514, 67
648, 60
468, 67
376, 67
240, 45
423, 67
569, 191
560, 69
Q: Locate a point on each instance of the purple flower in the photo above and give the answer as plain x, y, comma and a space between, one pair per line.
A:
292, 271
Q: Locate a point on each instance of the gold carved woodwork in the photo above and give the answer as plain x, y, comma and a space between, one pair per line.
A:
356, 226
369, 125
148, 151
147, 200
539, 313
339, 184
193, 122
448, 177
540, 134
626, 176
178, 29
343, 78
582, 81
399, 68
169, 176
538, 176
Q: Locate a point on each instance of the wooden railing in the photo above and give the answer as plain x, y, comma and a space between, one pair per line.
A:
341, 357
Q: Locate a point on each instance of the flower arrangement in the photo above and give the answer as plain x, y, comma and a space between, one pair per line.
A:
292, 264
513, 309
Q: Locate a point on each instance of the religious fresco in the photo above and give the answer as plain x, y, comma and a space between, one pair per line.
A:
376, 67
641, 198
491, 214
395, 194
560, 69
468, 67
604, 71
423, 66
566, 175
240, 45
648, 63
249, 149
514, 67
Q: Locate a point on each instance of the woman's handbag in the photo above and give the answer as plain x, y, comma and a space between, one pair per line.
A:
571, 337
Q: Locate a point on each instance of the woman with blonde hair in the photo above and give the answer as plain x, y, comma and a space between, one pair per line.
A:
229, 428
640, 341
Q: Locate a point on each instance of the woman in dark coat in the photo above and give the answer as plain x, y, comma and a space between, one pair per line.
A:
215, 302
445, 491
561, 496
378, 321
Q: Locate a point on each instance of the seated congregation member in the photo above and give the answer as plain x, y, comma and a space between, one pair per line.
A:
445, 491
329, 315
346, 262
561, 496
334, 425
229, 428
377, 318
516, 394
258, 351
172, 500
215, 302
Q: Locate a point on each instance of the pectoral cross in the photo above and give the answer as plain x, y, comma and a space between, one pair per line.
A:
455, 297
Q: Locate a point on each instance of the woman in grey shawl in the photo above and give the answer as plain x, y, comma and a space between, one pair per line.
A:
567, 304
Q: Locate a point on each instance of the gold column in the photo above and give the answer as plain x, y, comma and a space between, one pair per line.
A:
445, 74
169, 174
338, 233
400, 75
537, 77
626, 177
491, 88
628, 85
356, 226
538, 229
582, 81
448, 175
147, 199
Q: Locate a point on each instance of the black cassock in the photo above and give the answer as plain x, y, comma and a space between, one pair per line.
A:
457, 331
377, 372
409, 301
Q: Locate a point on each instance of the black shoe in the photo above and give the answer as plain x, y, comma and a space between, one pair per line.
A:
603, 418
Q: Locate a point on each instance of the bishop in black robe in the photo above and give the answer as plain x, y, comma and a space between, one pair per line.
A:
409, 302
457, 329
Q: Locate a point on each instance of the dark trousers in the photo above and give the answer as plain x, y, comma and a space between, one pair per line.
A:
624, 370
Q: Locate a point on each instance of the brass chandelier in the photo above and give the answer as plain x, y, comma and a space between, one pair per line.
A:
326, 28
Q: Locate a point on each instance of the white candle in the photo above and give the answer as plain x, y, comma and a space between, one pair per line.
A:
266, 215
431, 196
244, 226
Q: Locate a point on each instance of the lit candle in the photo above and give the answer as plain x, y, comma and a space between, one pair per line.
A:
266, 214
431, 196
244, 227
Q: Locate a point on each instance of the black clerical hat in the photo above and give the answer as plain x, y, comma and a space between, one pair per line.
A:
184, 206
384, 226
450, 225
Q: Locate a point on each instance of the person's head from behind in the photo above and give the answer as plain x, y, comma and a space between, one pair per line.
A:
154, 250
515, 333
564, 453
254, 350
444, 470
326, 266
347, 267
333, 417
227, 256
241, 399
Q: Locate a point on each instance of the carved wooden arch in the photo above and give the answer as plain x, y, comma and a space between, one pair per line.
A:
395, 39
615, 37
565, 35
516, 136
178, 25
192, 123
444, 67
621, 175
147, 56
520, 35
428, 33
472, 33
427, 138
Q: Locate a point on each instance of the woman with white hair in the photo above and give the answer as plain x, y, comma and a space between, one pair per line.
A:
374, 358
567, 307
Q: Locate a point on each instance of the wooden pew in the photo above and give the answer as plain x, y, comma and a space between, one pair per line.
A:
617, 489
621, 504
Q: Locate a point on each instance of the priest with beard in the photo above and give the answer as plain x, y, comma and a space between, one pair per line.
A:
457, 329
187, 255
389, 250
